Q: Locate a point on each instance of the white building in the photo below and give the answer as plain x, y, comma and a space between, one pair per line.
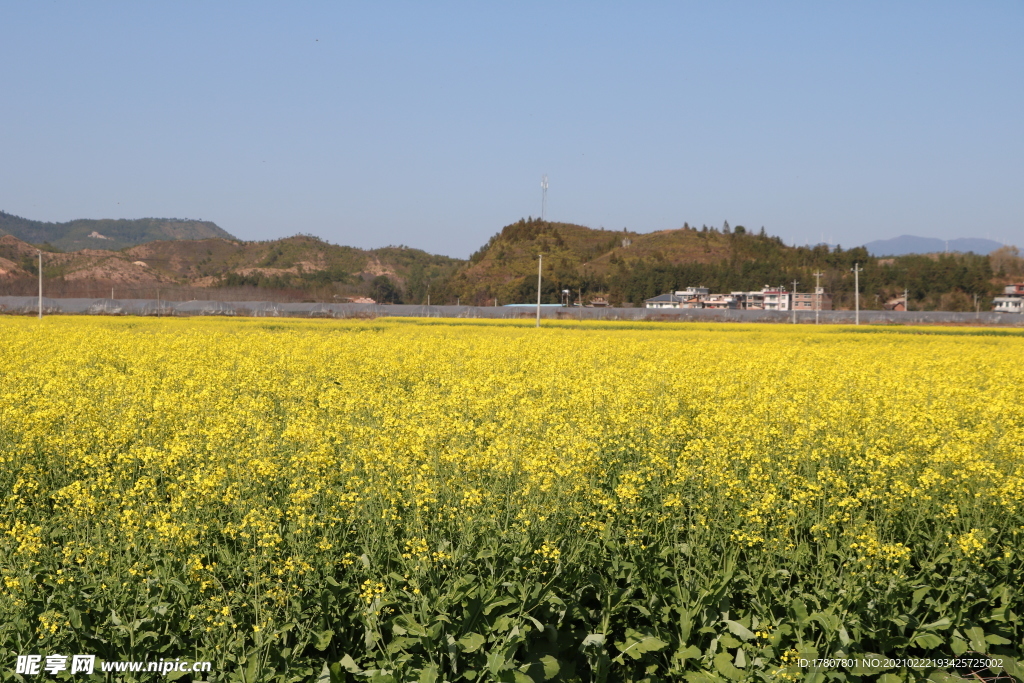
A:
775, 298
722, 301
691, 297
1012, 300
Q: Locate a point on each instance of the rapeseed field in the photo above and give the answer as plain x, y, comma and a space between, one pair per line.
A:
471, 501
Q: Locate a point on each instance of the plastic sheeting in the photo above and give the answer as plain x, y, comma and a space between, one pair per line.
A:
29, 305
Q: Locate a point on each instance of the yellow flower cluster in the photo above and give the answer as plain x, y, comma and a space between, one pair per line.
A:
260, 454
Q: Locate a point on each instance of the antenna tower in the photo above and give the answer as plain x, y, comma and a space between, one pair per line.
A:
544, 197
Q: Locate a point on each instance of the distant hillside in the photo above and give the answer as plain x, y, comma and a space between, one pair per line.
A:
301, 267
908, 244
107, 234
626, 267
622, 267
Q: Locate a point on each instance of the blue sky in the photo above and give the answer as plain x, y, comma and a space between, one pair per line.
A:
430, 124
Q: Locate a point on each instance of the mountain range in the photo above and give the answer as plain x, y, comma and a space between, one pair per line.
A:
107, 234
622, 267
909, 244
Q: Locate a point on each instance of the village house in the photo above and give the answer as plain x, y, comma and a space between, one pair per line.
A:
767, 299
691, 297
818, 300
722, 301
750, 301
775, 298
1012, 300
897, 304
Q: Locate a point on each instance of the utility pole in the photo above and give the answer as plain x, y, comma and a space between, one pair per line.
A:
817, 295
856, 290
40, 284
540, 262
906, 301
792, 301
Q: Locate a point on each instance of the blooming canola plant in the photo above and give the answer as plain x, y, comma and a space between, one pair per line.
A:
471, 500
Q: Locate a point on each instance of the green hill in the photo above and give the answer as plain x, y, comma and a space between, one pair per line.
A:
627, 267
109, 234
622, 267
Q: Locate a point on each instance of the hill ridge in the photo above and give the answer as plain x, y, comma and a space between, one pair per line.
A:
912, 244
107, 233
621, 266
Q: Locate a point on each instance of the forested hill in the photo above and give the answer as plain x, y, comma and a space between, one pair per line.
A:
627, 267
622, 267
109, 234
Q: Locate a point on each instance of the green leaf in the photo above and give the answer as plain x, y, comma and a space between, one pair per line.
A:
799, 610
323, 640
350, 665
724, 666
428, 674
938, 625
251, 670
701, 677
889, 678
498, 603
728, 641
826, 619
691, 652
551, 667
638, 644
471, 642
993, 639
928, 640
740, 630
943, 677
977, 638
1014, 667
411, 626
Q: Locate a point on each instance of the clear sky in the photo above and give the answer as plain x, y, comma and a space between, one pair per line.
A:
431, 124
